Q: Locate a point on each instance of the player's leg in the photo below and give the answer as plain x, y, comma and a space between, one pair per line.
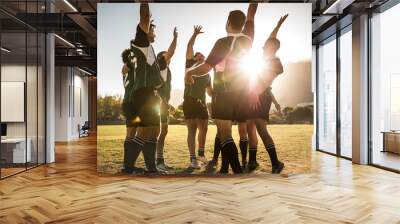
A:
191, 141
253, 142
149, 135
269, 144
149, 128
130, 152
160, 147
164, 115
229, 150
224, 134
243, 143
202, 126
211, 165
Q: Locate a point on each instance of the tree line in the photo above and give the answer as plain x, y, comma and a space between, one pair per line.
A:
109, 111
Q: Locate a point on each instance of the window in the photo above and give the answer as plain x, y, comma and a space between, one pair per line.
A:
346, 94
385, 89
327, 96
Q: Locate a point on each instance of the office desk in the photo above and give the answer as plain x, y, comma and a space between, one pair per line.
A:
13, 150
391, 141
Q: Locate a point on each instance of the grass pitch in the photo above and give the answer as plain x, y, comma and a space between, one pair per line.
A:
293, 143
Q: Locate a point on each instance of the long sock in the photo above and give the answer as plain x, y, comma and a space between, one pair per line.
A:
252, 154
217, 148
149, 153
230, 148
272, 154
132, 149
192, 154
243, 144
225, 159
160, 160
160, 154
201, 152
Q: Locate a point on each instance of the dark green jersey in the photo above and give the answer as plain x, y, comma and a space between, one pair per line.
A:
198, 89
219, 84
165, 90
129, 77
146, 70
128, 81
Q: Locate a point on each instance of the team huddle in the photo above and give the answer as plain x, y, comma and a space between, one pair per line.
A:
237, 96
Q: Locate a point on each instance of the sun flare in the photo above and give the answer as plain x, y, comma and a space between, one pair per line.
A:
252, 64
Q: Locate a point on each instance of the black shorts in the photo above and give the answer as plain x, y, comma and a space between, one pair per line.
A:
194, 109
143, 110
164, 112
262, 112
230, 106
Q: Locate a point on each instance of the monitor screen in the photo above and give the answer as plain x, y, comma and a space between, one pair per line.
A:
3, 129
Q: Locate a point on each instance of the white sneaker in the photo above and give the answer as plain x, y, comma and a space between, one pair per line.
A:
162, 167
202, 159
194, 164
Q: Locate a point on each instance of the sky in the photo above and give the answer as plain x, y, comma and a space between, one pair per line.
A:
117, 26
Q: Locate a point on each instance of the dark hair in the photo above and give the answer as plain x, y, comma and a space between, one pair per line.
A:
237, 18
159, 55
125, 56
197, 53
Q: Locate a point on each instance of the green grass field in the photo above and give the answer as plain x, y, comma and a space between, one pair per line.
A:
293, 144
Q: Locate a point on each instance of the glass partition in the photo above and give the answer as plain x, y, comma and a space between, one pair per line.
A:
346, 94
22, 64
13, 95
327, 96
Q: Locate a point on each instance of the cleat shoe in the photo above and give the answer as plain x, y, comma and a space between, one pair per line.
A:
278, 169
194, 164
252, 166
162, 167
126, 170
221, 173
138, 171
211, 166
244, 165
202, 159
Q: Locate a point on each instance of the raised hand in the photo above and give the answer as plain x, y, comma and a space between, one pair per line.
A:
278, 26
175, 32
282, 19
197, 30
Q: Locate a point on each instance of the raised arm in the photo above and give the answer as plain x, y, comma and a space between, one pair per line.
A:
197, 71
172, 46
145, 16
251, 11
189, 49
248, 28
278, 26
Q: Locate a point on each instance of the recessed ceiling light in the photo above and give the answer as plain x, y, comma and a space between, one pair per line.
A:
64, 40
5, 50
84, 71
70, 5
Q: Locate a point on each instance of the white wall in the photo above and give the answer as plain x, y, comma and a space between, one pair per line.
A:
71, 102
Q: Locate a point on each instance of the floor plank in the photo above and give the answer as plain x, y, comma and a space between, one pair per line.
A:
71, 191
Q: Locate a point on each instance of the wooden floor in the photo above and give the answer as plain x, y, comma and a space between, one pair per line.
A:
70, 191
